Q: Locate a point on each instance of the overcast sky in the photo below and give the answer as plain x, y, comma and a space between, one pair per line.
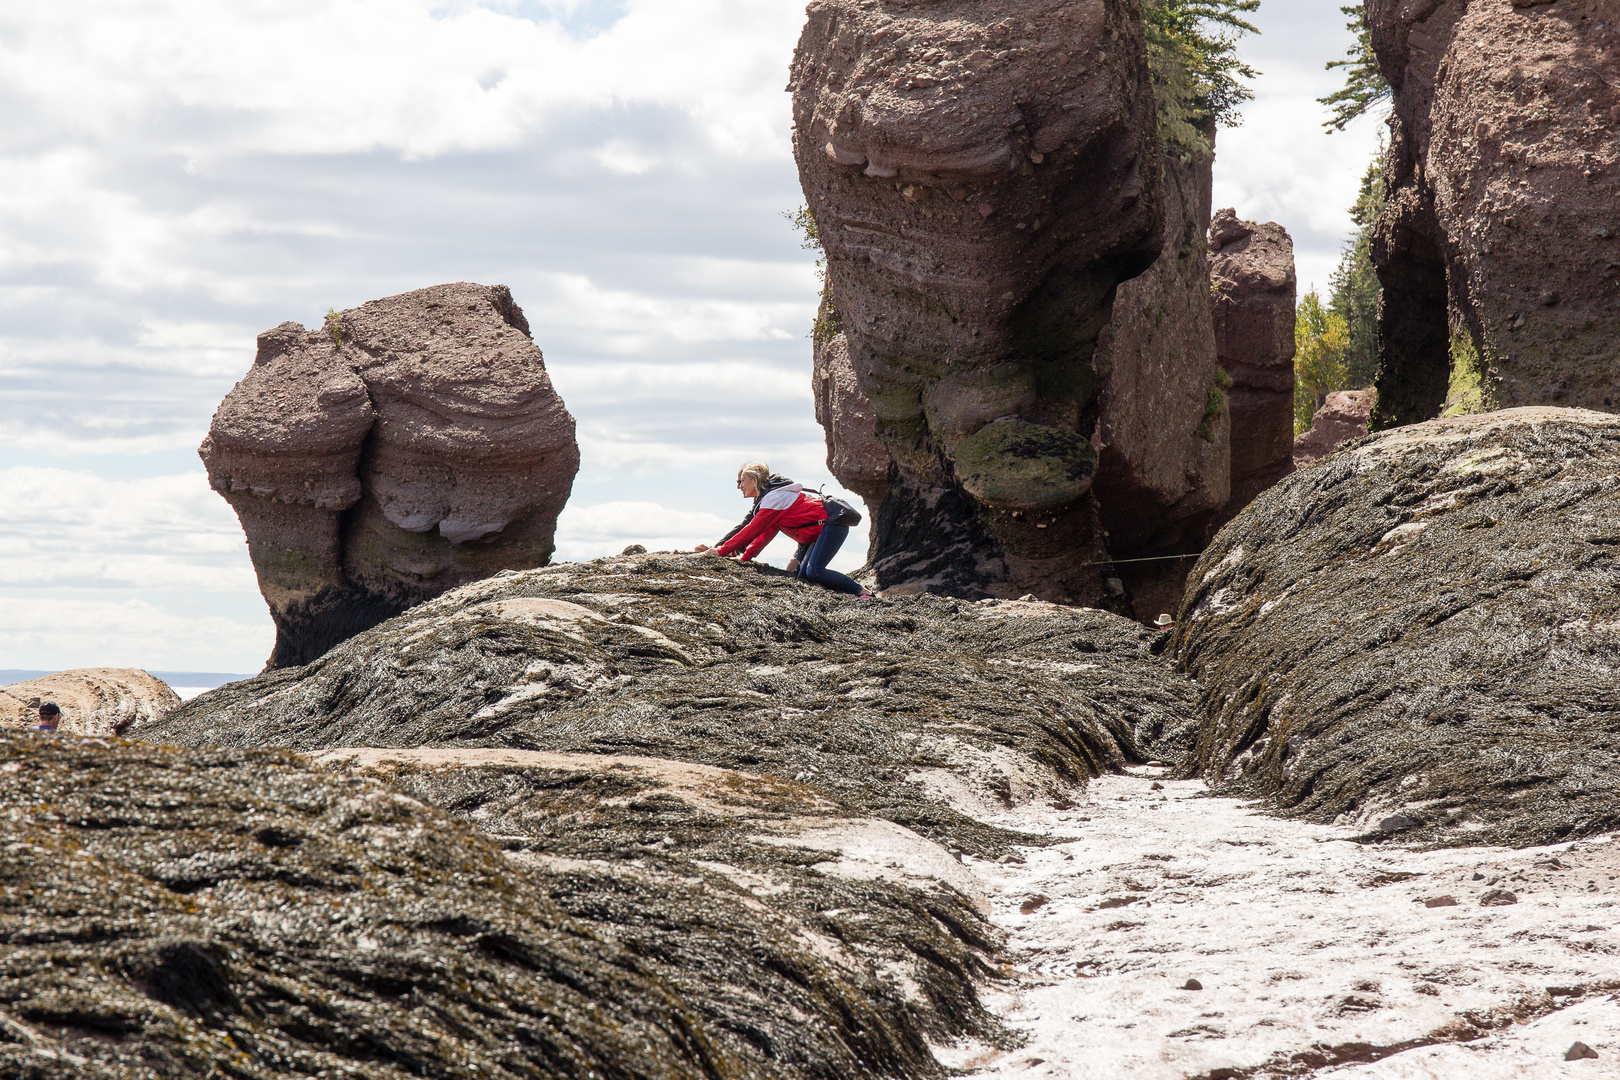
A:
178, 175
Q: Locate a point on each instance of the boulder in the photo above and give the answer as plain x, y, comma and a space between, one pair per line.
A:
189, 912
1343, 416
1252, 288
981, 181
1422, 627
1163, 433
408, 446
94, 701
856, 456
1502, 174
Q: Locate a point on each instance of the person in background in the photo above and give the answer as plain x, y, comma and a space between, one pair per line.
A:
780, 505
50, 715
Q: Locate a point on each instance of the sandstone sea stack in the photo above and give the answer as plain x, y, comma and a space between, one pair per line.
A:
408, 446
1164, 427
981, 181
1252, 287
1503, 178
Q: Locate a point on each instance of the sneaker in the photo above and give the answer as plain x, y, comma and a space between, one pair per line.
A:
866, 596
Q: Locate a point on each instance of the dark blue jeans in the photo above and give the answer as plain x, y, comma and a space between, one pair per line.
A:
813, 567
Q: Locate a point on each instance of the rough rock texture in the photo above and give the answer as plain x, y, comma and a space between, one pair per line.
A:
707, 661
1417, 634
725, 761
94, 701
1343, 416
1163, 435
411, 445
982, 177
855, 454
1503, 176
1252, 290
234, 913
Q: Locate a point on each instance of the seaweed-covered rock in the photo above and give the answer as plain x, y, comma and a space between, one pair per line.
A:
1418, 633
410, 445
94, 701
982, 177
890, 708
234, 913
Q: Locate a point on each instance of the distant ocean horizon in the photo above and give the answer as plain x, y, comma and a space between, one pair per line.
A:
205, 680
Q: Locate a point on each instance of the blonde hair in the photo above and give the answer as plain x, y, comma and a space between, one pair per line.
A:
760, 471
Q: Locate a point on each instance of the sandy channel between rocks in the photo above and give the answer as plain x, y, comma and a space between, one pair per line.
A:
1316, 956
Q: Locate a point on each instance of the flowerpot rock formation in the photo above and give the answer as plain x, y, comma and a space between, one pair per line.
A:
410, 445
981, 182
1416, 635
1503, 178
1252, 288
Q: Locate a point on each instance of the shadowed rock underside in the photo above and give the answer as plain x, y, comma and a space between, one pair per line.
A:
1417, 633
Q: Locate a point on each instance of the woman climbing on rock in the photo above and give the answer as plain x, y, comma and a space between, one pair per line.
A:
780, 505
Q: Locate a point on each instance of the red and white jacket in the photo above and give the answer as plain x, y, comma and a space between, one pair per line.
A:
788, 509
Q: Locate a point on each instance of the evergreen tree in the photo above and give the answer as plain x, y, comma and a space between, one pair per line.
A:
1192, 54
1353, 287
1364, 84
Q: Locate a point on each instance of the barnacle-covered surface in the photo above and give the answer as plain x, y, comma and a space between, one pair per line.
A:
1420, 633
702, 753
912, 710
237, 913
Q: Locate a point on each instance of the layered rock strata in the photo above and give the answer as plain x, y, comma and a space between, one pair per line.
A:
1252, 287
856, 456
1345, 415
174, 912
1164, 430
1502, 174
94, 701
408, 446
981, 181
1416, 634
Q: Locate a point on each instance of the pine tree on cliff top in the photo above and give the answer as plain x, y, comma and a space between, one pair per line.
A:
1195, 67
1364, 84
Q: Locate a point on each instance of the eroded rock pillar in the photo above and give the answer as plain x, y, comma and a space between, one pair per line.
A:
981, 180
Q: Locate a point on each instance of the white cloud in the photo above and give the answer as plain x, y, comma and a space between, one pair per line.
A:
54, 634
66, 529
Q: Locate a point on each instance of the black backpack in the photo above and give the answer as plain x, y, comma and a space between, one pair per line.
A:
839, 512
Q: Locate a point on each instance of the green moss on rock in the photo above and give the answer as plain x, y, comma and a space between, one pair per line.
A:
1014, 465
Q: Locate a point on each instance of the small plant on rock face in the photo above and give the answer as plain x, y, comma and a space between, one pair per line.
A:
826, 326
1214, 403
334, 326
